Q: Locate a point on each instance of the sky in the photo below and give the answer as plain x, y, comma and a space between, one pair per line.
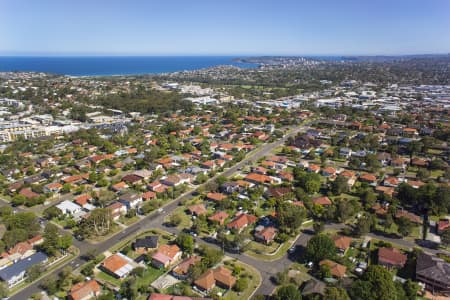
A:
224, 27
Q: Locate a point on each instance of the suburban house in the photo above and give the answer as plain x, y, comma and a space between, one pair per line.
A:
342, 243
351, 177
157, 187
84, 201
391, 257
219, 217
265, 234
118, 265
324, 200
16, 272
197, 209
25, 249
313, 168
345, 152
408, 215
258, 178
219, 276
441, 225
53, 187
166, 256
434, 272
130, 200
328, 171
69, 208
337, 270
181, 271
215, 197
155, 296
369, 178
241, 221
132, 179
145, 244
148, 195
119, 186
314, 287
85, 290
117, 209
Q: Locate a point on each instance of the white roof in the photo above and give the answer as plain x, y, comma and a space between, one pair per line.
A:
68, 206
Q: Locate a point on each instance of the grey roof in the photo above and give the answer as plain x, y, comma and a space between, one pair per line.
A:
433, 268
150, 241
314, 286
22, 265
129, 197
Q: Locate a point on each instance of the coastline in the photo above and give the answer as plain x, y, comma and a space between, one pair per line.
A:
108, 66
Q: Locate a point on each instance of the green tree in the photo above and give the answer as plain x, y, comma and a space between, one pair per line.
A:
388, 222
318, 227
364, 225
339, 185
335, 293
51, 239
325, 271
34, 272
241, 284
312, 186
445, 236
320, 247
288, 292
376, 283
175, 219
185, 242
290, 217
404, 226
4, 291
98, 223
52, 212
211, 256
65, 241
411, 289
66, 188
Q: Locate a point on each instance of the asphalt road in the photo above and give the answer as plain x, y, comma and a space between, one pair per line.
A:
267, 269
156, 219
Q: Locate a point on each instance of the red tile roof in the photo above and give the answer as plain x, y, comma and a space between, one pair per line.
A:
114, 263
324, 200
336, 269
241, 221
391, 256
84, 290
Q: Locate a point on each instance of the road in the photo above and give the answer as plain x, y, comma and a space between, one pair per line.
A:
267, 269
155, 219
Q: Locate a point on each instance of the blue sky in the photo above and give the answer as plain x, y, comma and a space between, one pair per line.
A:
227, 27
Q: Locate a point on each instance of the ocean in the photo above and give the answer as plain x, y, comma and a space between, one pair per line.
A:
113, 65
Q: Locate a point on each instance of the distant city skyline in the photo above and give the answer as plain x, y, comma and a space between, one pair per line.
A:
231, 28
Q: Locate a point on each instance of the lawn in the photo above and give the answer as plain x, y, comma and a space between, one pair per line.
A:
254, 280
186, 221
436, 173
344, 196
303, 275
102, 276
268, 253
393, 230
261, 248
149, 275
164, 238
128, 221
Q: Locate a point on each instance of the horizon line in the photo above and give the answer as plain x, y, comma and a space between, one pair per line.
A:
223, 55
